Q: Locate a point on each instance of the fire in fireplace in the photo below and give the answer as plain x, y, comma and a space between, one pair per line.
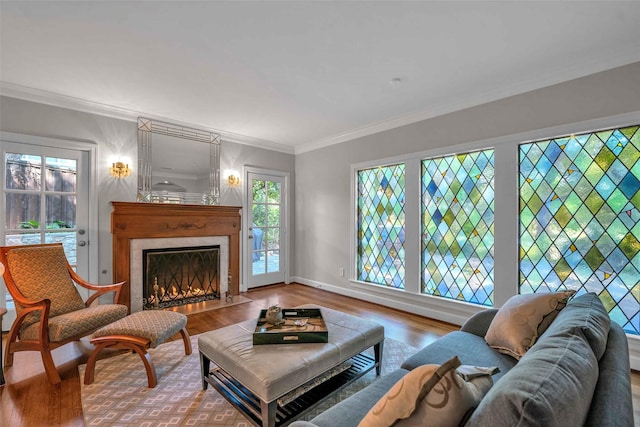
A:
178, 276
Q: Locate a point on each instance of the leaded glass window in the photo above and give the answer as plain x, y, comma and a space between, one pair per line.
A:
381, 218
457, 227
580, 219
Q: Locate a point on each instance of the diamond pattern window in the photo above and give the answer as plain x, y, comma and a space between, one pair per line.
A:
457, 227
580, 218
381, 216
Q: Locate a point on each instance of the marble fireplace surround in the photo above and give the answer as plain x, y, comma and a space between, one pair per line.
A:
139, 245
137, 226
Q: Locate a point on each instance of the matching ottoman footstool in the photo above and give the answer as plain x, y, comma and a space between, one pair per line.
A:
138, 332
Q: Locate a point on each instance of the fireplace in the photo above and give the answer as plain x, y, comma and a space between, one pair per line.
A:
137, 227
140, 246
179, 276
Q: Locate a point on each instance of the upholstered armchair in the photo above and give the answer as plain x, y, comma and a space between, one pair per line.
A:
49, 309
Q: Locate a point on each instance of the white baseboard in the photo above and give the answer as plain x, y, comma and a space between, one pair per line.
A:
436, 308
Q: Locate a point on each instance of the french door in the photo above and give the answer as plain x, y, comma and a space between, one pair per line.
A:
266, 248
45, 199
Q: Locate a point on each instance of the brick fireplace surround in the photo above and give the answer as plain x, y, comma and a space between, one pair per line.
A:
131, 221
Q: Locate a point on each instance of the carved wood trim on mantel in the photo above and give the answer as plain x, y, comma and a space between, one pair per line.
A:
131, 220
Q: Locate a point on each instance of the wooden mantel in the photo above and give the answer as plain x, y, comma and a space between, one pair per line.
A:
130, 220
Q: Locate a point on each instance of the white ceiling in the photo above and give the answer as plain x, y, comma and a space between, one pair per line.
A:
295, 76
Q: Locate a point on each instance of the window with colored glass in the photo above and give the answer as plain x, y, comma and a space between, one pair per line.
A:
580, 218
381, 226
457, 227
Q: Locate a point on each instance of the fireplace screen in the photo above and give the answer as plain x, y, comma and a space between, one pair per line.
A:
179, 276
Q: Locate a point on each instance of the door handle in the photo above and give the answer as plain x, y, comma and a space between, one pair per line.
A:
82, 243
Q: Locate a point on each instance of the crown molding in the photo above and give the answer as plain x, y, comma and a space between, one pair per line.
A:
25, 93
614, 59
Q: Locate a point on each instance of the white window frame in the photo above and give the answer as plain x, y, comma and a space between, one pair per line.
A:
506, 231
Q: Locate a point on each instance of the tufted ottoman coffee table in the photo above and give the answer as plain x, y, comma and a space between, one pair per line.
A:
277, 383
138, 332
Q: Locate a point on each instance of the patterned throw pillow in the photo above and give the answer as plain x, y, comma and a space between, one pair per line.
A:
432, 395
522, 319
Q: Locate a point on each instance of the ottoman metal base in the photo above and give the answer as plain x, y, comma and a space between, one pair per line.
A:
273, 414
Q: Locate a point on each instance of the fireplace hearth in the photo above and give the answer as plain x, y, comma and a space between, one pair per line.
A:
179, 276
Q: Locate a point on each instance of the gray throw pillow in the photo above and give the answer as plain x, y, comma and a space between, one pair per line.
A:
586, 312
552, 385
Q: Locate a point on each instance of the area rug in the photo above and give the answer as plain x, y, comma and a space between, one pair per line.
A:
119, 395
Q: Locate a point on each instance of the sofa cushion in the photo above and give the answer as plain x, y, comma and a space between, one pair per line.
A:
470, 349
431, 395
521, 320
587, 313
77, 323
611, 404
552, 385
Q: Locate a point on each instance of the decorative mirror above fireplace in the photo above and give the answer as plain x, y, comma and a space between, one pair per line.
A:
177, 164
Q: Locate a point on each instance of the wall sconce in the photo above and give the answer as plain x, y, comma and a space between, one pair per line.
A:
233, 180
119, 170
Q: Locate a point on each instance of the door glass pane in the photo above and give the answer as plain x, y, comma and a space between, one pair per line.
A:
259, 216
15, 239
61, 174
258, 253
273, 219
273, 192
22, 211
259, 191
23, 172
273, 261
259, 267
273, 238
259, 238
61, 211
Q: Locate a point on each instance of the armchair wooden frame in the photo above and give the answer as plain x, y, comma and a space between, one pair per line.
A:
43, 344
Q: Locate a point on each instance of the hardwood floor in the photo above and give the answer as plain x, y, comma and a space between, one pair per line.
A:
29, 400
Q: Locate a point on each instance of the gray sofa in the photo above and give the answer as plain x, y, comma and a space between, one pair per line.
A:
577, 373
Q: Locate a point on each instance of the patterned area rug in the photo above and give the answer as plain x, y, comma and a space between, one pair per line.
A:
119, 395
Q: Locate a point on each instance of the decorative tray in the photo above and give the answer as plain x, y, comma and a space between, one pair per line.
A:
298, 326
